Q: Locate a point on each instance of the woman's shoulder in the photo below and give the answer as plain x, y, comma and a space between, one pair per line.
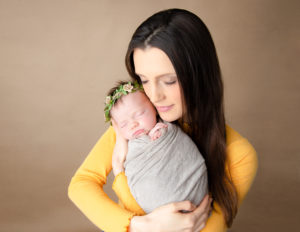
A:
233, 137
108, 137
238, 147
110, 132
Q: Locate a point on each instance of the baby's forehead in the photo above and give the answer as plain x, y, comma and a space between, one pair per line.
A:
125, 103
129, 103
134, 99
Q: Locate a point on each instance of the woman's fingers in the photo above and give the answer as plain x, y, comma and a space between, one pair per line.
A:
201, 213
183, 206
115, 126
204, 205
180, 216
119, 135
201, 222
169, 218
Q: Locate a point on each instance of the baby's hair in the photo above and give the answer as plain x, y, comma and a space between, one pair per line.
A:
117, 92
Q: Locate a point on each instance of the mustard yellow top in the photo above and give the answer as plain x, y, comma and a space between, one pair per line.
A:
86, 187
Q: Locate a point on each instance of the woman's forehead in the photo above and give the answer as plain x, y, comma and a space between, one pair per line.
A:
152, 62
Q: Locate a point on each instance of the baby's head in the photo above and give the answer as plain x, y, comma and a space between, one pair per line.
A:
131, 110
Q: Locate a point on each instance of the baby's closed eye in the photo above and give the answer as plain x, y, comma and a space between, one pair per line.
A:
140, 113
123, 124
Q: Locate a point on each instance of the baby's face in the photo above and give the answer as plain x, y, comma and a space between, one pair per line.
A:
134, 114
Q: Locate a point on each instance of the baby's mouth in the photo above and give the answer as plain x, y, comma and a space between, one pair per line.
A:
138, 133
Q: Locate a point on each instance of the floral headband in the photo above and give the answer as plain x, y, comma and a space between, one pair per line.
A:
129, 87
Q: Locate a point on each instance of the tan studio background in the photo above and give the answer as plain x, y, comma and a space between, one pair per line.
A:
59, 58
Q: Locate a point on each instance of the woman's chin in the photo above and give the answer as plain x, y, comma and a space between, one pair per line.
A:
168, 118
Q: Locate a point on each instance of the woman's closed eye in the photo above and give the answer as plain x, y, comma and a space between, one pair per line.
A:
144, 82
170, 82
166, 82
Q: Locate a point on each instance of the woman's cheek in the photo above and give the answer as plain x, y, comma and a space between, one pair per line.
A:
145, 87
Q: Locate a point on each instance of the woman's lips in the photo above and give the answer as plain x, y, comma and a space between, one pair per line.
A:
164, 108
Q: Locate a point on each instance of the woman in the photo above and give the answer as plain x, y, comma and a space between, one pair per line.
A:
172, 54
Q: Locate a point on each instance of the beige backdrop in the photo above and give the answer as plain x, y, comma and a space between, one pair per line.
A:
59, 58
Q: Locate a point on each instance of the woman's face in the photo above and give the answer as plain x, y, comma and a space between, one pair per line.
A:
160, 82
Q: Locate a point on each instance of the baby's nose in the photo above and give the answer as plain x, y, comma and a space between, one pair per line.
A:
134, 124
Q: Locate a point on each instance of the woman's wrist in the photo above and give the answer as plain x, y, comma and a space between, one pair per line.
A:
139, 224
117, 169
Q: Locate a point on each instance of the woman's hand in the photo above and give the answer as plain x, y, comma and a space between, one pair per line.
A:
169, 218
120, 151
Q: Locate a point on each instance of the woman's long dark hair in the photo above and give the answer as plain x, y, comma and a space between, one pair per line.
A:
188, 44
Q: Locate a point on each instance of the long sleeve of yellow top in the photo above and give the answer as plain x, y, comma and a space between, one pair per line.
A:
86, 187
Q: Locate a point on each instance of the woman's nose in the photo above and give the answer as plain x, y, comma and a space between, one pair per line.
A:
154, 93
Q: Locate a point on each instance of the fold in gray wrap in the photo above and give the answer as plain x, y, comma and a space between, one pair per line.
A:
166, 170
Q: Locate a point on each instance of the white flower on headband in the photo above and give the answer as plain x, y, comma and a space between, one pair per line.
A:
128, 87
107, 100
117, 95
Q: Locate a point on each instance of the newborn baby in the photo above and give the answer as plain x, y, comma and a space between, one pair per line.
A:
162, 165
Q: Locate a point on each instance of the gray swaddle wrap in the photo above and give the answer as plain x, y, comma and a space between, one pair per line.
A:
165, 170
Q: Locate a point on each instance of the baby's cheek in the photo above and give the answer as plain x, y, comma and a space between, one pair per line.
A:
152, 120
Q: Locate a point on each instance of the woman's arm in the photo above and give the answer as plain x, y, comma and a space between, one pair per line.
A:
86, 188
168, 218
120, 151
